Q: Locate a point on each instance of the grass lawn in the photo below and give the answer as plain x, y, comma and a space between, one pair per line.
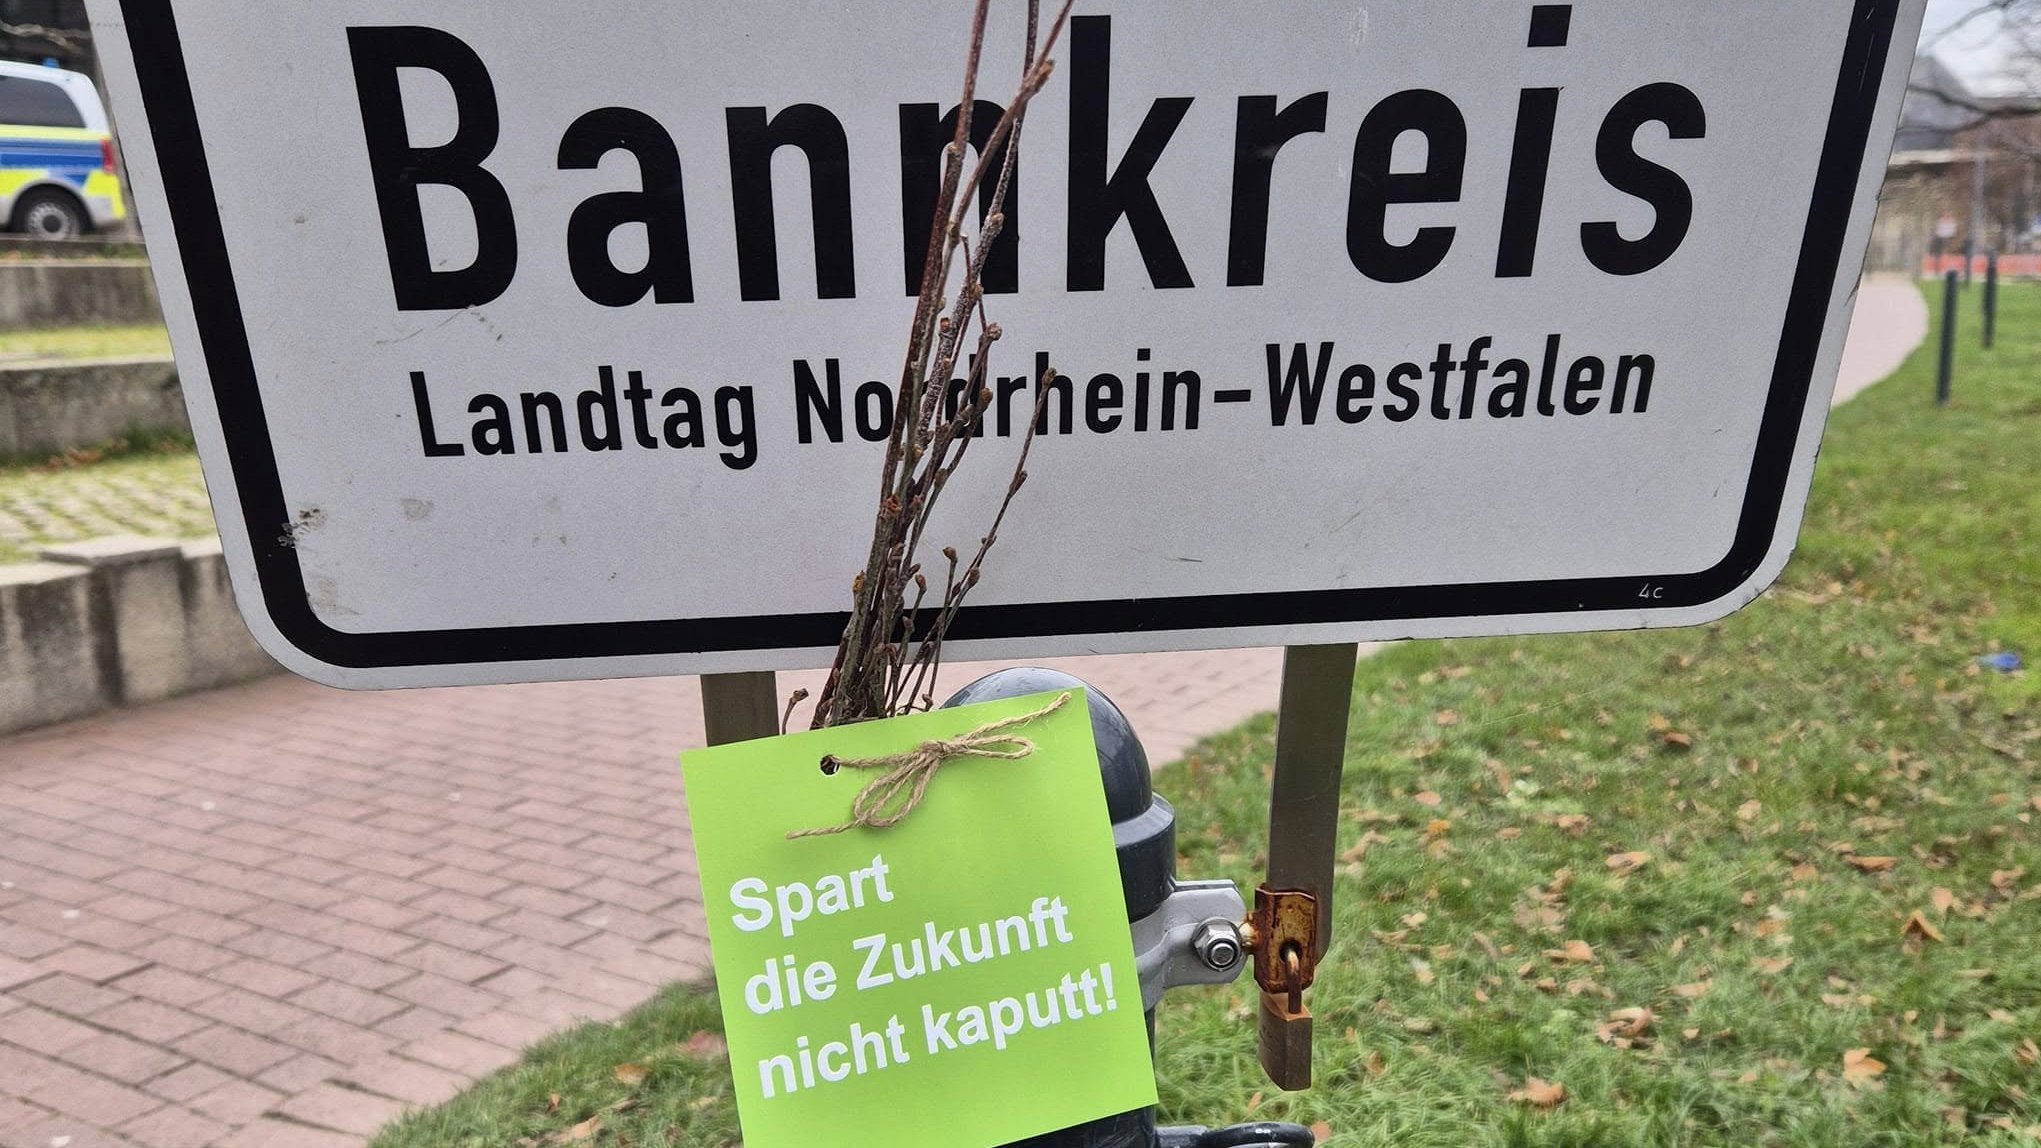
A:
84, 342
1770, 882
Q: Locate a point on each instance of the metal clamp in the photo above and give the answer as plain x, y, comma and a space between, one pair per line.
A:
1187, 940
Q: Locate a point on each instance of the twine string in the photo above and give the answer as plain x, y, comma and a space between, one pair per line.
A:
886, 800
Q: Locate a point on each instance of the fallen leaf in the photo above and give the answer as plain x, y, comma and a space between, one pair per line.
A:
1625, 1026
1428, 799
1375, 1065
585, 1130
1674, 739
2004, 879
1750, 811
704, 1046
1572, 952
1539, 1094
553, 1102
1871, 864
630, 1074
1423, 971
1772, 966
1942, 899
1860, 1070
1573, 824
1320, 1132
1623, 863
2027, 1053
1360, 849
1694, 991
1918, 926
1446, 717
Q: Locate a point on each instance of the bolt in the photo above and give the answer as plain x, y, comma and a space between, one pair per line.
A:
1217, 943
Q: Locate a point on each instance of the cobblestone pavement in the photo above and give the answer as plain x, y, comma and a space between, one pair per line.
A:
154, 495
275, 915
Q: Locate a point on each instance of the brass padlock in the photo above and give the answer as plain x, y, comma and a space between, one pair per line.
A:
1284, 1035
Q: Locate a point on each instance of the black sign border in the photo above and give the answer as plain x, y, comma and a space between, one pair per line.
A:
194, 211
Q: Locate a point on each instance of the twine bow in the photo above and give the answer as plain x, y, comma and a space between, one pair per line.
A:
886, 800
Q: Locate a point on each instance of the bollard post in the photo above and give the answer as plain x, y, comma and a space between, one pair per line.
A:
1948, 359
1990, 300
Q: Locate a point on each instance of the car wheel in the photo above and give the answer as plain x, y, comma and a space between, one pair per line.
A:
50, 215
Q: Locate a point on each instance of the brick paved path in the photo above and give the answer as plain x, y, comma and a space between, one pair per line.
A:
277, 914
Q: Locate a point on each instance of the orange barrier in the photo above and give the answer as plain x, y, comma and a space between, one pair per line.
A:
2009, 266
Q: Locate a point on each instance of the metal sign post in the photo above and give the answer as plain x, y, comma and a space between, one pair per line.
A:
1293, 909
739, 707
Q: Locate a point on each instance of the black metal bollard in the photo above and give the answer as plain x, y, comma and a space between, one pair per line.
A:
1947, 364
1990, 301
1160, 909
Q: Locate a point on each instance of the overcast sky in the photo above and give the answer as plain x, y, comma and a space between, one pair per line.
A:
1975, 50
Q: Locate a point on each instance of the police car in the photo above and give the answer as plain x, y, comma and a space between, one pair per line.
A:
57, 176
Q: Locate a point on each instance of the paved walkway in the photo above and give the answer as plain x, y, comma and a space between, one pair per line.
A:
1891, 320
278, 914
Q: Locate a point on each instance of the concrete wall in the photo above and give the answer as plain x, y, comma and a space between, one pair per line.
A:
118, 621
51, 407
69, 292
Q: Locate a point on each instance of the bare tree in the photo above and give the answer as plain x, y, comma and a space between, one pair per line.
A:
2018, 24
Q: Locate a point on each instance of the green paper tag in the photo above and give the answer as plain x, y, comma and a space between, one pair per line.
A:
963, 980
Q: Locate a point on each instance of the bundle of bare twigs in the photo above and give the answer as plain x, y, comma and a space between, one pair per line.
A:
887, 661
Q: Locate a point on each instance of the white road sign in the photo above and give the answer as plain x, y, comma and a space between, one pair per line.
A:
537, 341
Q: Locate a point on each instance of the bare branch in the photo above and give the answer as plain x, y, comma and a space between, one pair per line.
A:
1982, 110
874, 673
